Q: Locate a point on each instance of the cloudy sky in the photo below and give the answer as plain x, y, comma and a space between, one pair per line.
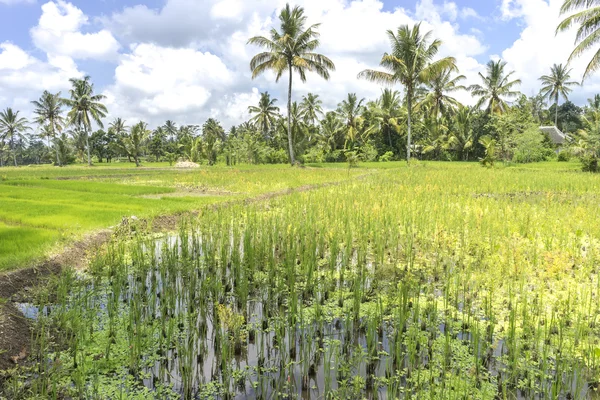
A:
187, 60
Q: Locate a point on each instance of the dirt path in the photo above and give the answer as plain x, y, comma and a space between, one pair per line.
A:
16, 286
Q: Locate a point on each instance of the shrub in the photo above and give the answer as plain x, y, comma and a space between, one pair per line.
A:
589, 163
564, 156
531, 147
386, 157
368, 152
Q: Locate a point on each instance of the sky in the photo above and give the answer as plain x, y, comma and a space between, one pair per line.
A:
187, 60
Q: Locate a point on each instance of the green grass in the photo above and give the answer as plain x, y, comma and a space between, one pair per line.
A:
43, 207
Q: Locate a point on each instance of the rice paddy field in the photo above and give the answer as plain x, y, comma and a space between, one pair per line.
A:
44, 208
435, 281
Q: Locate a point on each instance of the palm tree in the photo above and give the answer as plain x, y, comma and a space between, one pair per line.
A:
587, 17
350, 111
387, 111
331, 129
496, 86
49, 114
311, 107
594, 103
266, 113
171, 129
557, 84
462, 136
13, 127
290, 50
212, 133
132, 143
85, 108
441, 83
410, 63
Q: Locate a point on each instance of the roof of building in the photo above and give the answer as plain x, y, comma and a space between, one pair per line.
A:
554, 133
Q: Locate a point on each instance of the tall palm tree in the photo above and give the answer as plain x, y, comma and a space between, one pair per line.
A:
350, 111
312, 108
171, 129
212, 133
331, 129
49, 114
586, 15
266, 113
495, 88
438, 88
132, 143
119, 127
388, 111
557, 84
291, 49
462, 136
410, 63
13, 128
85, 108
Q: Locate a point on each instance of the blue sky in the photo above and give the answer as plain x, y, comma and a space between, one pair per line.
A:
187, 60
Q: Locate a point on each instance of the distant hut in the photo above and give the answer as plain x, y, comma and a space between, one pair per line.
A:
555, 135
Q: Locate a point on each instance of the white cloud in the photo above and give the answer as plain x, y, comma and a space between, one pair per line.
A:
59, 33
353, 35
23, 77
539, 47
159, 83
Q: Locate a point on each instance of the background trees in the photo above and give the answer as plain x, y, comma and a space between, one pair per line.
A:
425, 119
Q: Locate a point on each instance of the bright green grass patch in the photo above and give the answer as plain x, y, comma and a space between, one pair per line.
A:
21, 244
91, 186
70, 201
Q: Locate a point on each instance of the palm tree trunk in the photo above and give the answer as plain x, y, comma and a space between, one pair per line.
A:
14, 151
87, 143
289, 110
556, 113
408, 146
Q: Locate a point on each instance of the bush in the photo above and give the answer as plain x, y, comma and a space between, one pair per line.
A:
564, 156
386, 157
277, 157
368, 152
314, 155
589, 163
530, 146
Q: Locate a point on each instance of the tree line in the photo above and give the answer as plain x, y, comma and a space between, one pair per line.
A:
424, 120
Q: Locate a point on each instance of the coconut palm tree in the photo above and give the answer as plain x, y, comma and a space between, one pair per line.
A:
212, 134
557, 84
266, 113
292, 49
331, 129
496, 86
350, 111
411, 63
438, 88
462, 137
388, 112
171, 129
85, 108
49, 114
585, 14
13, 128
311, 108
132, 143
